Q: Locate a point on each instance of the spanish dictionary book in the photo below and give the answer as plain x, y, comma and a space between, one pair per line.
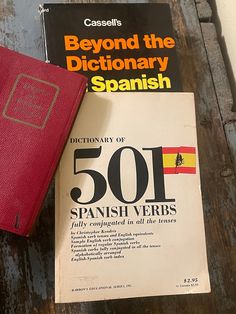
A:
120, 47
129, 217
38, 104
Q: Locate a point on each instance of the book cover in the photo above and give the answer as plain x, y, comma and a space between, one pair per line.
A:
129, 217
38, 104
120, 47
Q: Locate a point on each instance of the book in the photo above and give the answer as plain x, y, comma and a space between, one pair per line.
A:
129, 217
119, 47
38, 104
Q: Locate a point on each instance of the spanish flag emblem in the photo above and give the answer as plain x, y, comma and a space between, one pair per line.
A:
179, 160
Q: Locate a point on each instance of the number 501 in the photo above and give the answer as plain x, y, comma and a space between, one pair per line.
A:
114, 175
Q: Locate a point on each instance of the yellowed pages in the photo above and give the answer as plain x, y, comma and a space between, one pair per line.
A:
129, 217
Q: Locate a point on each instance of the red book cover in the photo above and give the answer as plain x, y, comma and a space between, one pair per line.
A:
38, 105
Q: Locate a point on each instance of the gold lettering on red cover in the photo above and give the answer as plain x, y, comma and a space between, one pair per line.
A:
31, 101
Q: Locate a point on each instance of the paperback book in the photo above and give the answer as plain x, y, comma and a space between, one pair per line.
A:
129, 218
119, 47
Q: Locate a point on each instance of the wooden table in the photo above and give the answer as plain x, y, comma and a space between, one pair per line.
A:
27, 265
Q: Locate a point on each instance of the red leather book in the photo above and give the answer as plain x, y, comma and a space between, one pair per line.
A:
38, 104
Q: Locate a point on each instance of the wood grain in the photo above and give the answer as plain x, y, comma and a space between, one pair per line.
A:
27, 265
204, 10
221, 85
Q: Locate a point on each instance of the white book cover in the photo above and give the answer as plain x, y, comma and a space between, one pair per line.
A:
129, 216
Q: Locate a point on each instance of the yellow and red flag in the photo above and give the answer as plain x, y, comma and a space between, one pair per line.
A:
180, 159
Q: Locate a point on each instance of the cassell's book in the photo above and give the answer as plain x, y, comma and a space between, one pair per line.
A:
38, 104
120, 47
129, 218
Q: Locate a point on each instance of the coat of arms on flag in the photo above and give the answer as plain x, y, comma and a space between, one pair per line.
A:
180, 159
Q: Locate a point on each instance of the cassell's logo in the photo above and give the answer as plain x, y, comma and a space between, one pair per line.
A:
98, 23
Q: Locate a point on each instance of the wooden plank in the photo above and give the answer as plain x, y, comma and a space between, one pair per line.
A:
27, 265
218, 71
221, 84
218, 198
204, 10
